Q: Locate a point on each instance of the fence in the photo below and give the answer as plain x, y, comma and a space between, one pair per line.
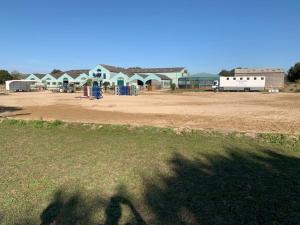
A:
126, 90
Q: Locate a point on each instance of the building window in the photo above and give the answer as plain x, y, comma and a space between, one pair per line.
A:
241, 78
53, 83
104, 75
234, 78
59, 83
48, 83
227, 78
262, 78
248, 78
254, 78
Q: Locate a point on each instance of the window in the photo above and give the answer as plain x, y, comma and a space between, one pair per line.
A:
262, 78
104, 75
241, 78
227, 78
59, 83
48, 83
254, 78
234, 78
248, 78
83, 78
53, 83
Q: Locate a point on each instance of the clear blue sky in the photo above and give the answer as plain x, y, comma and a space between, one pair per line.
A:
204, 36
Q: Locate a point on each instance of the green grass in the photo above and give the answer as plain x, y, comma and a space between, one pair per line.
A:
63, 173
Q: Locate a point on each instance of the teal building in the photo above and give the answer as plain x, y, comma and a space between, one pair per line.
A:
162, 77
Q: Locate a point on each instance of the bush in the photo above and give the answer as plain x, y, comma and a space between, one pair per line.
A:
294, 73
88, 82
173, 86
4, 76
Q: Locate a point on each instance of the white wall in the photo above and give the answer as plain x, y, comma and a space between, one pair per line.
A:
239, 82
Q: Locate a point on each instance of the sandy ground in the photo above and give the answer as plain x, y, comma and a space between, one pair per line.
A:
245, 112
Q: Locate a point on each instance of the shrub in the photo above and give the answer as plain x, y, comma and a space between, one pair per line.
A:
173, 86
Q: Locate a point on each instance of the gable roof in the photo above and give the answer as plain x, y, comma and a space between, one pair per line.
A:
38, 75
142, 75
76, 73
163, 77
138, 70
72, 73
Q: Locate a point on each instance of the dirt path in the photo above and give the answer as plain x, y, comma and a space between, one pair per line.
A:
247, 112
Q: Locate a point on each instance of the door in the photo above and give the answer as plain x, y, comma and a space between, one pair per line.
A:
120, 82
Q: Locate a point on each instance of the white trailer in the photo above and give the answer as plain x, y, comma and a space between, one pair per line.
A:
18, 85
251, 83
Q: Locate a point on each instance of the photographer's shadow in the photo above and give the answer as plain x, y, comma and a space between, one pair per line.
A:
114, 211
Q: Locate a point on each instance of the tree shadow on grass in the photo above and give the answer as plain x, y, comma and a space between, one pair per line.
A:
239, 188
76, 209
73, 209
259, 186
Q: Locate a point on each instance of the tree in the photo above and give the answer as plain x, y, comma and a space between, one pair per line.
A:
173, 87
4, 76
227, 73
89, 82
106, 84
16, 75
54, 71
294, 73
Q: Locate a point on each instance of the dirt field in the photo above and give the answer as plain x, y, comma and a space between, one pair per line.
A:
246, 112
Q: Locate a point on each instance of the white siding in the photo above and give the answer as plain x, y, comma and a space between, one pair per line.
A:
243, 82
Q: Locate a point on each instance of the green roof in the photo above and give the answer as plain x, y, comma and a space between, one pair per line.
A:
204, 75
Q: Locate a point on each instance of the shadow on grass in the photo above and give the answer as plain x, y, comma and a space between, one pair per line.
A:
76, 209
240, 188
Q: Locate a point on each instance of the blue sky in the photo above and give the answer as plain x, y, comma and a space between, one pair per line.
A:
204, 36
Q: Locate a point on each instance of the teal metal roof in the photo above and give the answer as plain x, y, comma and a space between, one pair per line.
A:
204, 75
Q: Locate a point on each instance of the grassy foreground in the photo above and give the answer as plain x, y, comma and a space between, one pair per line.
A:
59, 173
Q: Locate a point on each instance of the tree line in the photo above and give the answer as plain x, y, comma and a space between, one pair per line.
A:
5, 75
16, 75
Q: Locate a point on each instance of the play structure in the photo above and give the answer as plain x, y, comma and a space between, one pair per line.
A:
95, 90
126, 90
